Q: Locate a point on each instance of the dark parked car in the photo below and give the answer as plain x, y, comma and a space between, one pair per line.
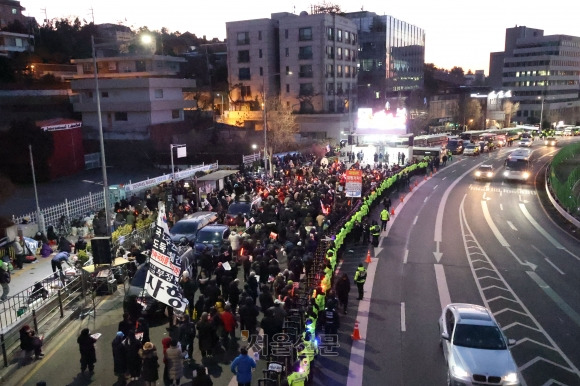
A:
186, 229
214, 235
149, 306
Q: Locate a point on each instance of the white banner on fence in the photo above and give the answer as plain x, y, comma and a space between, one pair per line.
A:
151, 182
162, 281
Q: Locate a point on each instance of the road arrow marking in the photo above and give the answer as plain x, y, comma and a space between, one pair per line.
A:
437, 254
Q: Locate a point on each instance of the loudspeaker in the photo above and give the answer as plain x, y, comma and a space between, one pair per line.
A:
101, 247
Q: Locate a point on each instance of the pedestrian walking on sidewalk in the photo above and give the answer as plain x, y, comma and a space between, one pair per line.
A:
360, 277
87, 349
150, 371
342, 291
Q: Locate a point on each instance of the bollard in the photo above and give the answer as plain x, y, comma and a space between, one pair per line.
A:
60, 304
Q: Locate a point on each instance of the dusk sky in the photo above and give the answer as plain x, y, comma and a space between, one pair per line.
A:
458, 33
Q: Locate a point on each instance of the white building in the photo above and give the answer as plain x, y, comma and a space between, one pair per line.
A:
543, 73
307, 61
136, 92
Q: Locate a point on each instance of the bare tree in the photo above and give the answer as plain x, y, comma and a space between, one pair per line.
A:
281, 126
510, 109
473, 113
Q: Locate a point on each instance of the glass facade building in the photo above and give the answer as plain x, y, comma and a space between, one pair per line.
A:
391, 58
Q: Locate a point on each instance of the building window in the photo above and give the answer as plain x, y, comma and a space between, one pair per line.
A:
259, 35
339, 71
261, 71
329, 71
287, 88
346, 54
353, 38
260, 53
305, 34
306, 89
245, 92
104, 94
338, 35
243, 38
338, 53
330, 33
287, 51
330, 88
244, 73
287, 70
305, 53
306, 71
158, 93
331, 106
329, 52
286, 33
175, 114
347, 37
243, 56
347, 71
14, 11
121, 116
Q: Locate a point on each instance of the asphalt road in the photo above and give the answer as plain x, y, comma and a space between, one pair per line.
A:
497, 247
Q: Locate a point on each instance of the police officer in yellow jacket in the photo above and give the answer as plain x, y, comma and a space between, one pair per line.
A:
360, 277
375, 233
384, 219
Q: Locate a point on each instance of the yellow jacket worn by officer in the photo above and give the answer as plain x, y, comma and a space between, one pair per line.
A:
360, 277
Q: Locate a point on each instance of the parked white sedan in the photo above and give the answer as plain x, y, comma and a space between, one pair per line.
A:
475, 349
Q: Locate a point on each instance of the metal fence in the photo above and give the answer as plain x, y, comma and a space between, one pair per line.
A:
39, 311
76, 208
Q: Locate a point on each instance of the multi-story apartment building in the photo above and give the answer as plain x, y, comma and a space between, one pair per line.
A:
14, 41
543, 73
307, 61
136, 93
391, 56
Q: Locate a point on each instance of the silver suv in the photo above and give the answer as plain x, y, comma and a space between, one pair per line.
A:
185, 230
475, 349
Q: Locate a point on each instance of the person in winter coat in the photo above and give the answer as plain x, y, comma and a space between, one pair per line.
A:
199, 307
242, 367
342, 291
202, 378
234, 294
174, 362
266, 300
132, 347
119, 358
248, 316
229, 323
187, 335
87, 349
143, 328
206, 334
150, 371
166, 343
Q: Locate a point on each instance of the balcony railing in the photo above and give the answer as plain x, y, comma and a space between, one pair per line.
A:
305, 56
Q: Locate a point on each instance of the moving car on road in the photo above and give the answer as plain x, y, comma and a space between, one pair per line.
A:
525, 142
471, 149
484, 172
474, 347
550, 141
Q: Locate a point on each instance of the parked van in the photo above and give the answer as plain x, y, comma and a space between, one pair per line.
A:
455, 145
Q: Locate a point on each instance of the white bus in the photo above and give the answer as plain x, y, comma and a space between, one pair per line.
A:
518, 165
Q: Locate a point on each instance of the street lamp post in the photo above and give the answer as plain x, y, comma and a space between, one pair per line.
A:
39, 216
541, 112
222, 109
101, 142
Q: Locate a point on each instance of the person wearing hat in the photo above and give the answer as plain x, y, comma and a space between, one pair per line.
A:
150, 371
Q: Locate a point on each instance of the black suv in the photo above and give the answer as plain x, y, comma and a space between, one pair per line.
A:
214, 235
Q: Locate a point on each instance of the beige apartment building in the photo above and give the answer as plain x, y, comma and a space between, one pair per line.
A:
307, 61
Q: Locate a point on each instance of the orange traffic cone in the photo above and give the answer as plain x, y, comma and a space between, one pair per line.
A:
416, 183
356, 333
435, 170
431, 174
410, 188
368, 260
392, 211
402, 198
425, 177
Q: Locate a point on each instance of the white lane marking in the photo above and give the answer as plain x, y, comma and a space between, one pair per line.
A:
415, 221
453, 171
555, 297
554, 266
403, 324
512, 226
357, 349
500, 205
487, 185
405, 256
444, 297
484, 198
443, 178
438, 237
544, 233
426, 198
435, 187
